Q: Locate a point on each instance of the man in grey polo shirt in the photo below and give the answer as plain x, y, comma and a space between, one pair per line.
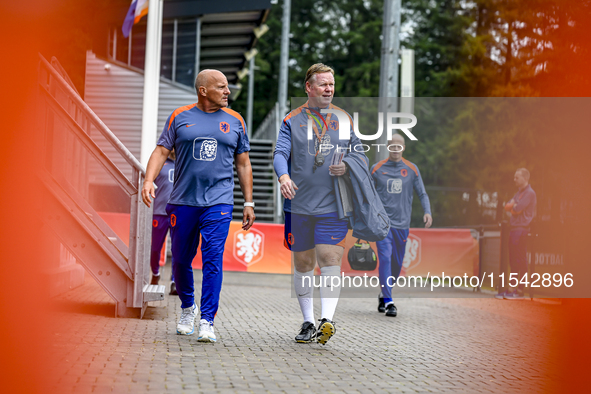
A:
523, 209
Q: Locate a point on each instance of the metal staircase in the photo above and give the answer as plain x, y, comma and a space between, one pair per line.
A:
81, 181
264, 183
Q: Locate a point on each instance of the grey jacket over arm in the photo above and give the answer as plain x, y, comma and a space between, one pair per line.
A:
358, 201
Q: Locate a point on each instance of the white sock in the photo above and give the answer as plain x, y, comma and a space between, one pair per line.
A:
329, 297
302, 282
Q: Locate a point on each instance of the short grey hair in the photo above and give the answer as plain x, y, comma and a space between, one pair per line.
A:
525, 173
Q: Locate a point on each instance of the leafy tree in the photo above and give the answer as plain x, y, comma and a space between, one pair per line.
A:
439, 36
344, 35
478, 48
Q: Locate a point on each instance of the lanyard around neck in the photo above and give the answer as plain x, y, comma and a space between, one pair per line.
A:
323, 128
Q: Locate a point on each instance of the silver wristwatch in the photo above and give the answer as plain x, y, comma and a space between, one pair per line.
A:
249, 204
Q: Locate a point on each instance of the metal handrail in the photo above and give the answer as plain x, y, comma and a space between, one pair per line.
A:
92, 147
61, 100
96, 121
59, 68
267, 130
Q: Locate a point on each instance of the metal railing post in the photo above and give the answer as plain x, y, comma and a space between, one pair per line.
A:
174, 41
139, 242
480, 253
504, 261
278, 197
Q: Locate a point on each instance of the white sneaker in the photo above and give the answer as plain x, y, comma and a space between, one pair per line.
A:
206, 333
186, 324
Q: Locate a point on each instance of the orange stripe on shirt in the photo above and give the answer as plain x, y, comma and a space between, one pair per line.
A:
236, 115
298, 110
412, 166
295, 112
178, 111
380, 163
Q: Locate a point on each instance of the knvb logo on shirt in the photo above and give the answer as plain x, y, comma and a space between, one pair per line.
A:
333, 124
249, 246
224, 127
344, 126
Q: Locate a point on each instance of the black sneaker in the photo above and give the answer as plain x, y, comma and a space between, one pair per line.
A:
173, 289
326, 329
391, 310
381, 305
307, 333
155, 279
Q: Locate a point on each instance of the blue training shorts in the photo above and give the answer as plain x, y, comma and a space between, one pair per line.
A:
304, 232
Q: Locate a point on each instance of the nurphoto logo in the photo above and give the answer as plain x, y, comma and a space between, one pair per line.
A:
344, 125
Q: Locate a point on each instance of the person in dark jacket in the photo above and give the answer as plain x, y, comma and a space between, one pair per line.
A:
359, 202
396, 178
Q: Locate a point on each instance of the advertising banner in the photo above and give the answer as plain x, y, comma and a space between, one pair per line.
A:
261, 249
430, 251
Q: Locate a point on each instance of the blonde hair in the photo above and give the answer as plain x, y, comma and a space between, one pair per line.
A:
317, 68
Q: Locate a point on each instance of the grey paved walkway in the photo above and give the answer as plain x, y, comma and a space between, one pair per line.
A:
434, 345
